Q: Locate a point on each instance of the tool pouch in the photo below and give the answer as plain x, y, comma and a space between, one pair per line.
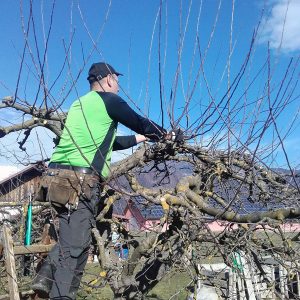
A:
64, 190
64, 187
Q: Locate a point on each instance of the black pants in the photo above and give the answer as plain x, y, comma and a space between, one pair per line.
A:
70, 254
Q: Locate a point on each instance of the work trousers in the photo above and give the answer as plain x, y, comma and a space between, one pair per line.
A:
69, 256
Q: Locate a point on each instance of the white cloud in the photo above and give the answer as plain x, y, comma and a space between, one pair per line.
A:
282, 27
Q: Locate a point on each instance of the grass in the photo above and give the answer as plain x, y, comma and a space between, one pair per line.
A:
171, 286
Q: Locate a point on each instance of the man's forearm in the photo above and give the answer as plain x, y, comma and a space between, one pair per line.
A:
124, 142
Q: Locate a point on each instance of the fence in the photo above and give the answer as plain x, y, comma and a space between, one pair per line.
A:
245, 281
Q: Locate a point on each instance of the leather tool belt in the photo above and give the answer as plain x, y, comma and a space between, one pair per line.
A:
64, 187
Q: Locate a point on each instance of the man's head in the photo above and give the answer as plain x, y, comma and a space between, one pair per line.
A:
103, 77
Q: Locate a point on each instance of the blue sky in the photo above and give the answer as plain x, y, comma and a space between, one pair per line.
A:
130, 31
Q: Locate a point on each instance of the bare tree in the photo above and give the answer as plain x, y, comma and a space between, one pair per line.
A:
235, 127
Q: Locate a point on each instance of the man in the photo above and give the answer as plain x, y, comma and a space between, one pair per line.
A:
80, 161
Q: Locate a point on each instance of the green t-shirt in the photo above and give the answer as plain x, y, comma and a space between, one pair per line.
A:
88, 135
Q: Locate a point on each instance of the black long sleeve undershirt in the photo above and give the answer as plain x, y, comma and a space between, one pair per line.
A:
124, 142
121, 112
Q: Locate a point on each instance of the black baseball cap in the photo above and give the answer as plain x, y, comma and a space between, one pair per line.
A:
100, 70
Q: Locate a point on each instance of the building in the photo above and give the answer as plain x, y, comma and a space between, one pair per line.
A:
19, 186
136, 214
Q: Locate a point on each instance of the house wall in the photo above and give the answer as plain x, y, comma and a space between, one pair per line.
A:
221, 225
20, 187
150, 225
136, 220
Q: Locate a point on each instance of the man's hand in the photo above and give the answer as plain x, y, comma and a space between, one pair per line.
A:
140, 138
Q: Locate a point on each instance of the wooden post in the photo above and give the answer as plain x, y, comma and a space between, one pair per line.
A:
10, 264
298, 284
247, 276
282, 282
32, 249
